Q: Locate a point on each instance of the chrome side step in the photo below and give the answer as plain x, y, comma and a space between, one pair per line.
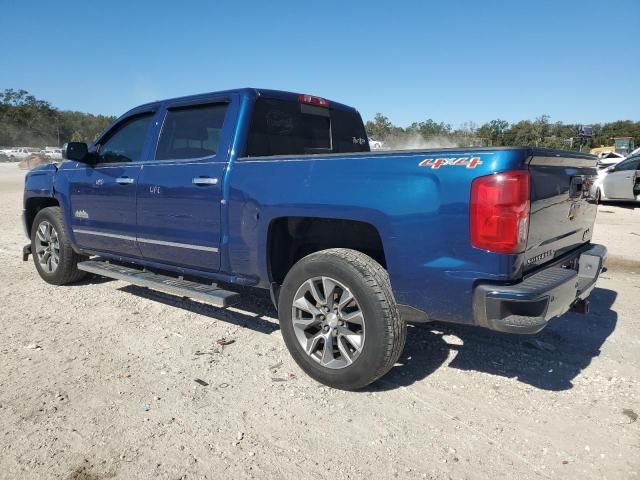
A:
211, 294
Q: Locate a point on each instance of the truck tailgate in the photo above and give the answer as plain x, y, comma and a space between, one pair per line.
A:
562, 214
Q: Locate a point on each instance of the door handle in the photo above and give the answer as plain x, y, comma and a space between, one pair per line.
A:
204, 181
124, 180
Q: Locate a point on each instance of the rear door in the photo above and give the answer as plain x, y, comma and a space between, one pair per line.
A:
180, 189
562, 212
103, 196
619, 182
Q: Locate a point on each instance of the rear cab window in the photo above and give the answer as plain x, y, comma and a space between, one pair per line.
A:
286, 127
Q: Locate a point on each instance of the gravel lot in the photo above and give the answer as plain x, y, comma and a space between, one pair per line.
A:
97, 380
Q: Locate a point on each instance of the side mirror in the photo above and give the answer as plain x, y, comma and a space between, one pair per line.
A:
611, 168
75, 151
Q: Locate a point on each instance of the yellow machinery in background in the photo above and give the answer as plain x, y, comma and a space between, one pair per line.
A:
622, 145
602, 149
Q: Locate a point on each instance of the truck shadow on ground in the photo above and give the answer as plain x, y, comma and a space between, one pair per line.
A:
252, 312
549, 360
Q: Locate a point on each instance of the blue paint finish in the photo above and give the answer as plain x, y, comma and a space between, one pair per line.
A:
109, 206
172, 210
421, 213
39, 182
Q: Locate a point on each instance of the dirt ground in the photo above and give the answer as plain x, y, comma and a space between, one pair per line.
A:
98, 380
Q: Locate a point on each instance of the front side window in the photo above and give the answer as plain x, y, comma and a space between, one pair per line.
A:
125, 144
191, 132
628, 164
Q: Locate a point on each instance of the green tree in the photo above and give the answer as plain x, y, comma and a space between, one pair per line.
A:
25, 120
380, 128
494, 132
29, 122
429, 128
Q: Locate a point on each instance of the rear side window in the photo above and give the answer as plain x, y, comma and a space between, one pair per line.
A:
348, 132
191, 132
126, 141
281, 127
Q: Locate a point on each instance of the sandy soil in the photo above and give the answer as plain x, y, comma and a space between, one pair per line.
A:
97, 380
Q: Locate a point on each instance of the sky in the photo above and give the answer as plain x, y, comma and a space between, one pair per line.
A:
453, 61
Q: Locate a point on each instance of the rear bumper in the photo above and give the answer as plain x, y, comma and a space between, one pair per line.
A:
527, 307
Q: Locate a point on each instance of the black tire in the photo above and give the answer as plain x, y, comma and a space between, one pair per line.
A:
67, 268
385, 329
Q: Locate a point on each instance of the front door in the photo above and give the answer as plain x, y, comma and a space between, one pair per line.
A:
180, 190
102, 196
619, 182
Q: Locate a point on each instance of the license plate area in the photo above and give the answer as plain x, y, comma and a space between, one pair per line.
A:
571, 264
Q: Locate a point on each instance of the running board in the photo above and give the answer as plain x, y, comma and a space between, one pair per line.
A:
211, 294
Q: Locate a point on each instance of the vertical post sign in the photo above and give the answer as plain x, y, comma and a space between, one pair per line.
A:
585, 134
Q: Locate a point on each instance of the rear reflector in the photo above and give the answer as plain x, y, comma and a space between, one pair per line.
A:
311, 100
499, 211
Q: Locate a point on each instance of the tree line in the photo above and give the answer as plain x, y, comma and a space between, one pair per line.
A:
30, 122
540, 132
26, 121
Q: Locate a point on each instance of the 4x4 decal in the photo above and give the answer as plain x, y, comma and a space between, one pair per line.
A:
435, 163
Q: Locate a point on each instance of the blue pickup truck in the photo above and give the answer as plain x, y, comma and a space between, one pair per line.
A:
280, 191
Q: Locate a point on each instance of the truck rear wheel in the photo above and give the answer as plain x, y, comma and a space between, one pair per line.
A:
53, 256
339, 319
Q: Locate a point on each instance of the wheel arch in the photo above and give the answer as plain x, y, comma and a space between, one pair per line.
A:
32, 206
293, 237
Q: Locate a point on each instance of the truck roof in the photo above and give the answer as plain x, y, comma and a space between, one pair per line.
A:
247, 91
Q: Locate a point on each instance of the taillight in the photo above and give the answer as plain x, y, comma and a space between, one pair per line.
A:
311, 100
499, 211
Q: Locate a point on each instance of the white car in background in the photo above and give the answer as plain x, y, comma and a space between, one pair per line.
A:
619, 182
375, 144
608, 159
53, 153
17, 153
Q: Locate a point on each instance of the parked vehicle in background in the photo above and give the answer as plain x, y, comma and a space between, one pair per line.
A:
53, 153
608, 159
280, 191
18, 153
620, 182
376, 144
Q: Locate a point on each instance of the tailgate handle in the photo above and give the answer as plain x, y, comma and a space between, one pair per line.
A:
575, 190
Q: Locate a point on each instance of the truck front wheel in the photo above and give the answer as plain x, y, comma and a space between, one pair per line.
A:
53, 255
339, 318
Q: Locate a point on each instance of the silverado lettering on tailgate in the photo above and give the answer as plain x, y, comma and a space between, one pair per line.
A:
542, 256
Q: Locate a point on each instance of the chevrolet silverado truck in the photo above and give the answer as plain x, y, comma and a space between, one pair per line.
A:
280, 191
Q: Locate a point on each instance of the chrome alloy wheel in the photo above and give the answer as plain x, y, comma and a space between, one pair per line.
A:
328, 322
47, 247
